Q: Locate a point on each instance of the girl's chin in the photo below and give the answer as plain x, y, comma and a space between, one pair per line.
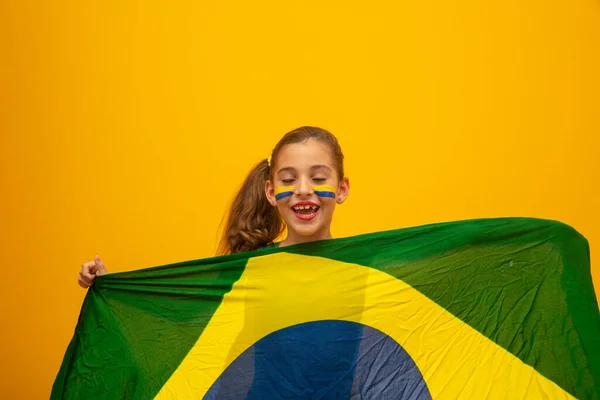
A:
303, 227
303, 231
307, 231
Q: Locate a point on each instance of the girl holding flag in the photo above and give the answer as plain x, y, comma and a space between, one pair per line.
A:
297, 187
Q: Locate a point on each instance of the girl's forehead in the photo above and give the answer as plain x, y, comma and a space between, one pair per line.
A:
305, 153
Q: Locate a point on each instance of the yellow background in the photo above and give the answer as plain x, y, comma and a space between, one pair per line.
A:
126, 128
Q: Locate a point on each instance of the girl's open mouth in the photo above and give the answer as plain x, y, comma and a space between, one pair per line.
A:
305, 210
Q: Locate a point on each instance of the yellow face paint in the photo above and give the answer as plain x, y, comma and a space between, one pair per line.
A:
324, 191
283, 192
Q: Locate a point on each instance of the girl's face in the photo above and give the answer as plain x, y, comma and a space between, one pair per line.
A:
307, 211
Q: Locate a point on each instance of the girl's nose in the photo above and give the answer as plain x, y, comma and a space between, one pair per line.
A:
304, 187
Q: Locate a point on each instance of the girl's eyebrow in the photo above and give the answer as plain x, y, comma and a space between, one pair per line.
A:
313, 167
286, 169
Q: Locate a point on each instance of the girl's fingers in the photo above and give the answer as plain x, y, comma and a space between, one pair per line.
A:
87, 266
82, 283
89, 271
100, 267
86, 276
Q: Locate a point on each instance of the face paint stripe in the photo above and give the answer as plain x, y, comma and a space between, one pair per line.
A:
282, 189
324, 191
324, 194
324, 188
283, 195
283, 192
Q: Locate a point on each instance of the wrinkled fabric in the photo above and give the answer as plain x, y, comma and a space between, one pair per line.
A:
472, 309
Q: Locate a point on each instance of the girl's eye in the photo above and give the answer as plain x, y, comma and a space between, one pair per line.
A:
319, 179
287, 181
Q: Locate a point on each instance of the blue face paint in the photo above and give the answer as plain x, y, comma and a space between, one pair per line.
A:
283, 191
324, 191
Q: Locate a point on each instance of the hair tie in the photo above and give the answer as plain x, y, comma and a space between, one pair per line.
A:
269, 161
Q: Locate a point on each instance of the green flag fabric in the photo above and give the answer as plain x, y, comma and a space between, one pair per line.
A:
491, 308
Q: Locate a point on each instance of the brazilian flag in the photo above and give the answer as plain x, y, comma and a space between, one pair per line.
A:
493, 308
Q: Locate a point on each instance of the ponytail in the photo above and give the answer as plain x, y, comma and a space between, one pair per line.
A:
252, 222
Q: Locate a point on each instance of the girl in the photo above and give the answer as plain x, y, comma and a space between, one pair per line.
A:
296, 188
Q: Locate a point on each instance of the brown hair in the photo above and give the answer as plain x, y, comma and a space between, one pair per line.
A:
252, 222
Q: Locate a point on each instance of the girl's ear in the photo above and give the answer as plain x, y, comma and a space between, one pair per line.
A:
270, 192
343, 191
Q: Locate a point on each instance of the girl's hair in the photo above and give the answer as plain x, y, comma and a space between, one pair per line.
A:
252, 222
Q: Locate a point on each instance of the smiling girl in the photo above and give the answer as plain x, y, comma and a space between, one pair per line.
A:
297, 187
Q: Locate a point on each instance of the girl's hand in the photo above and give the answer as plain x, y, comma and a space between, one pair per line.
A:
89, 272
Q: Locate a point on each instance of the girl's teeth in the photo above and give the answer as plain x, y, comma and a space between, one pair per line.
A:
305, 207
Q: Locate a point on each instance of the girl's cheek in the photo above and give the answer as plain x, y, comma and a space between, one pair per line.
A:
325, 191
283, 191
